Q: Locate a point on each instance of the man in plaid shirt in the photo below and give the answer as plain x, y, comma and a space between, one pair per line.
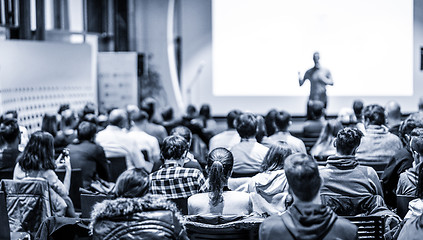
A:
172, 180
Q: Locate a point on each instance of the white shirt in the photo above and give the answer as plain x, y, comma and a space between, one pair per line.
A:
146, 142
226, 139
117, 142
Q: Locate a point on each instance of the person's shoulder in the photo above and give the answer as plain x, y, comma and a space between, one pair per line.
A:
273, 226
345, 227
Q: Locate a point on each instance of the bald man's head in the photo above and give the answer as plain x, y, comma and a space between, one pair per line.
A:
118, 118
393, 110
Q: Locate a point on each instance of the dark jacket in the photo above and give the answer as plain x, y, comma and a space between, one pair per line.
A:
149, 217
400, 162
90, 158
307, 221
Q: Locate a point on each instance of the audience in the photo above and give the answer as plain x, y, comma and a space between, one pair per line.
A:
313, 127
307, 218
269, 188
248, 154
153, 129
393, 117
189, 161
282, 122
88, 156
209, 125
145, 141
324, 145
37, 161
49, 124
174, 181
269, 121
228, 138
378, 144
408, 180
9, 131
348, 187
67, 133
135, 214
402, 160
219, 200
116, 142
13, 114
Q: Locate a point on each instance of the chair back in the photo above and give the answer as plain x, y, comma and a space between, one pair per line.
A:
6, 174
117, 166
369, 227
309, 142
76, 183
27, 203
402, 204
4, 219
88, 201
242, 230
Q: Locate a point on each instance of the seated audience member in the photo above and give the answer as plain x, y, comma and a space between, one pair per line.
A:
282, 122
358, 110
209, 124
270, 187
168, 120
49, 124
116, 143
37, 161
189, 161
345, 181
307, 218
412, 229
13, 114
346, 116
416, 206
155, 130
393, 117
219, 200
228, 138
378, 144
313, 127
269, 121
174, 181
67, 133
408, 180
144, 140
324, 145
9, 131
131, 214
248, 154
402, 160
88, 156
261, 129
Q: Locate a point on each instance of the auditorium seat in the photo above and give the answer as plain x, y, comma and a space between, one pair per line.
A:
117, 166
369, 227
76, 183
88, 201
27, 202
239, 228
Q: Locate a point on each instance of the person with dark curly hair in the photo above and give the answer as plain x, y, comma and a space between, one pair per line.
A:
348, 186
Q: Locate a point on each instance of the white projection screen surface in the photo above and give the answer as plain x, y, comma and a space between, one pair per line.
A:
259, 46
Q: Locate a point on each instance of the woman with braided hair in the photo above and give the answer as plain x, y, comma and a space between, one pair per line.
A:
219, 200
